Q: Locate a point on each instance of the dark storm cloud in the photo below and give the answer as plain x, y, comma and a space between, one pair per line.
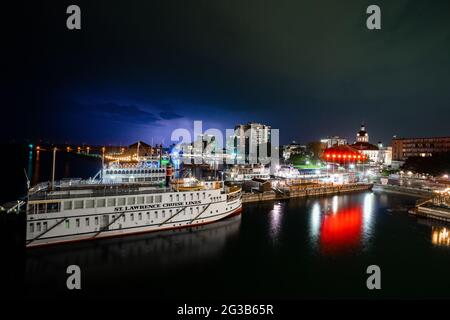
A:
123, 113
310, 68
168, 115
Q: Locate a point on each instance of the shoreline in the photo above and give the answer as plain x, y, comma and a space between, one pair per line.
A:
418, 193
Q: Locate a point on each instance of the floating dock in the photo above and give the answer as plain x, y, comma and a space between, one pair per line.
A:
304, 191
438, 207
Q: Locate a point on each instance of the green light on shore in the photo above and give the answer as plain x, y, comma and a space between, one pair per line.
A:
30, 146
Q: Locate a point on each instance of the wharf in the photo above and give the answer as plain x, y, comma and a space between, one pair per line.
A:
310, 190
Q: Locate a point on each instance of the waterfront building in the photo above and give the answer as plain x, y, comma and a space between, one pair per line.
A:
343, 154
403, 148
376, 154
253, 142
362, 144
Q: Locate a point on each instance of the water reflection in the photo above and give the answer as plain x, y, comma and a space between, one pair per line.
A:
160, 250
339, 225
440, 236
275, 221
439, 232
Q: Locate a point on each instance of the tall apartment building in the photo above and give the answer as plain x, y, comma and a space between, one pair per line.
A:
252, 141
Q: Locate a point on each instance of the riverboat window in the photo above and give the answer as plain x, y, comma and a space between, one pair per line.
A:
149, 199
89, 203
100, 203
192, 196
184, 197
87, 222
78, 204
178, 197
140, 200
124, 218
111, 202
132, 216
113, 217
125, 180
77, 223
67, 205
121, 201
148, 215
140, 216
204, 195
171, 198
31, 227
131, 200
38, 227
198, 196
96, 221
156, 214
148, 179
140, 179
41, 208
158, 198
67, 224
31, 209
44, 224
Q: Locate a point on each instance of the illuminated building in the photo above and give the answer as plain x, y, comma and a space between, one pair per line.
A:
376, 154
292, 149
403, 148
333, 140
343, 154
251, 139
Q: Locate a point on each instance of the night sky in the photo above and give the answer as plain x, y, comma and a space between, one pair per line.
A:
140, 69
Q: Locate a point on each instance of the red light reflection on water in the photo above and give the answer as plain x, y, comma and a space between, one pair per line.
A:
341, 231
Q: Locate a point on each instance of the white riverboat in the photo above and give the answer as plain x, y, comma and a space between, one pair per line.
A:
124, 200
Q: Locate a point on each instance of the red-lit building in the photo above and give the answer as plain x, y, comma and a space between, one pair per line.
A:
343, 154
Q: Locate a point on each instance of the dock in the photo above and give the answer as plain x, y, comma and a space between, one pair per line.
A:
437, 207
300, 191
